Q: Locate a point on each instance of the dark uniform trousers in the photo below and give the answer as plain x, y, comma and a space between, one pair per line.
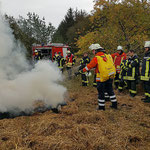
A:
103, 88
83, 62
122, 76
107, 98
84, 79
116, 80
122, 85
146, 85
132, 87
94, 82
132, 74
145, 75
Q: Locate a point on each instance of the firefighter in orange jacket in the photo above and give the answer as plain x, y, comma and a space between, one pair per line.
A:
102, 87
118, 58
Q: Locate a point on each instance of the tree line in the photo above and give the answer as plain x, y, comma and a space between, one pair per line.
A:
110, 23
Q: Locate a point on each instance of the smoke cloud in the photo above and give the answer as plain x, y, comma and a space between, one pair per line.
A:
21, 84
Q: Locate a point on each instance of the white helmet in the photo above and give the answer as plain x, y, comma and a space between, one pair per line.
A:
147, 44
119, 48
68, 52
95, 47
35, 51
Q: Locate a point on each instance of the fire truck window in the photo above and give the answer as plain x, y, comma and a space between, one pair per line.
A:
46, 53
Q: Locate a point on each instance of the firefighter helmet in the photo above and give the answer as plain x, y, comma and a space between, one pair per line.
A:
95, 47
35, 51
119, 48
147, 44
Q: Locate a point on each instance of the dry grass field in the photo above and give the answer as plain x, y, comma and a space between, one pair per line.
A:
79, 126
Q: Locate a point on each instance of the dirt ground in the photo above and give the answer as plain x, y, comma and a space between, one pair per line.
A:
79, 126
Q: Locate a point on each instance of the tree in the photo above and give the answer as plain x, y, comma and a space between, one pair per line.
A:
25, 39
75, 24
116, 23
66, 23
36, 28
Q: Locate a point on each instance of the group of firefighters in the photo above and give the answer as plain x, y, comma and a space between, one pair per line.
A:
60, 61
129, 70
69, 61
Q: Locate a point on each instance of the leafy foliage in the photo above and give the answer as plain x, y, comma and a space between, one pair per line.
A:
31, 30
36, 28
20, 35
74, 24
116, 23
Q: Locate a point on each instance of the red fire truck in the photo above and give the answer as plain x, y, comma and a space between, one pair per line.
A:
49, 50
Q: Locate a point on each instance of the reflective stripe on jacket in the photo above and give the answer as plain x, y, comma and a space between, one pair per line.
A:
83, 62
133, 68
145, 73
60, 62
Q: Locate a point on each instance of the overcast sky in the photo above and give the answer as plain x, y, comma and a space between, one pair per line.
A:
53, 10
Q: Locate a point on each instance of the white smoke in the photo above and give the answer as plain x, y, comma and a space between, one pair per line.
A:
20, 85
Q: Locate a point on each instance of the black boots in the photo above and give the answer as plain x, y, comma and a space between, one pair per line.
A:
143, 98
101, 108
114, 105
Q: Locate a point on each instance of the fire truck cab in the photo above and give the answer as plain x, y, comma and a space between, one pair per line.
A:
48, 51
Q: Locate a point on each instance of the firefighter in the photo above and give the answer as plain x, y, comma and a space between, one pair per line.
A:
123, 75
70, 61
133, 65
60, 61
105, 86
83, 62
118, 58
37, 56
55, 57
145, 72
107, 98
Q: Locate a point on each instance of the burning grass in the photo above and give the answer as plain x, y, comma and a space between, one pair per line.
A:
79, 126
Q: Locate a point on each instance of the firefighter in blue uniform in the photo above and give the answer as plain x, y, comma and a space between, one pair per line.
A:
123, 75
60, 61
83, 62
55, 57
37, 56
145, 73
133, 65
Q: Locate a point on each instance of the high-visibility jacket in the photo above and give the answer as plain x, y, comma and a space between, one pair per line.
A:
37, 57
117, 58
60, 61
83, 62
133, 65
55, 57
94, 64
70, 60
123, 72
145, 72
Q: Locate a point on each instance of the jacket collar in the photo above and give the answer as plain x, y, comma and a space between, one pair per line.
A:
100, 54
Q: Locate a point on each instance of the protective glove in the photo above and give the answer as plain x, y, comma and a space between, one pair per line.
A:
77, 73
